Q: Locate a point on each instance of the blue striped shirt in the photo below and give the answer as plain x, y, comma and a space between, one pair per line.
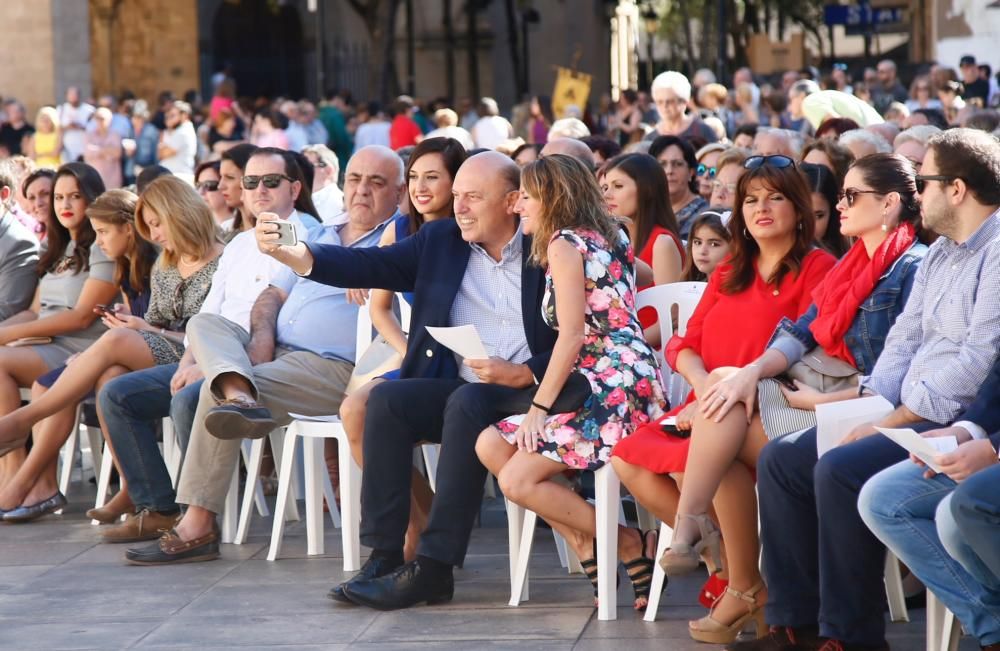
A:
490, 299
942, 346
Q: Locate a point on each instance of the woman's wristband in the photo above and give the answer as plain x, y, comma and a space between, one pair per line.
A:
542, 407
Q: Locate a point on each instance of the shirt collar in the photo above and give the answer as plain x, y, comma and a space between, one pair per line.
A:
375, 231
987, 232
511, 250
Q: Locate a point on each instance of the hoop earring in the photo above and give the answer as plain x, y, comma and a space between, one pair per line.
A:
746, 233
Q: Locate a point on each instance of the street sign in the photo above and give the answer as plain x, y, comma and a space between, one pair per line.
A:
862, 18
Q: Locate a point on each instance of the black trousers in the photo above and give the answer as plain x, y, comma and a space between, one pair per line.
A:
451, 412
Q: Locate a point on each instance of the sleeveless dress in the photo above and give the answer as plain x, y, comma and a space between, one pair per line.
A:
627, 390
647, 315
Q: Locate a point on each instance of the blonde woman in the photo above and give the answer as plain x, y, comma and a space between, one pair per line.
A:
45, 146
172, 215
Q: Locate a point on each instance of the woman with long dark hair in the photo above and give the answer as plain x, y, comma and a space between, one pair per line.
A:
636, 189
75, 278
770, 274
823, 193
171, 214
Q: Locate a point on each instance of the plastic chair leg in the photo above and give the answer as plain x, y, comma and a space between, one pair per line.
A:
314, 468
285, 481
350, 506
520, 533
103, 481
607, 489
230, 512
894, 589
252, 463
659, 576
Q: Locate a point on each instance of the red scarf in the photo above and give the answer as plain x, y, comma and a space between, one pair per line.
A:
847, 286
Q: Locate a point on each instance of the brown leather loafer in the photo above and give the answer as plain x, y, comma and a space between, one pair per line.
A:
170, 550
144, 525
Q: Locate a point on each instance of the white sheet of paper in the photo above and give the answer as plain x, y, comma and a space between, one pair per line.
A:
463, 340
835, 420
924, 449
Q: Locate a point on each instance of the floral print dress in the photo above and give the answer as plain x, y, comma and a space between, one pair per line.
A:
627, 390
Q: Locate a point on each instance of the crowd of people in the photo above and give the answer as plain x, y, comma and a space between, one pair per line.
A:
207, 265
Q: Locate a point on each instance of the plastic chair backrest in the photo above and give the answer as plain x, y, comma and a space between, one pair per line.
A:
663, 299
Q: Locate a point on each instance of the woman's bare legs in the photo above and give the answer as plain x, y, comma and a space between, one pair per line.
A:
20, 366
352, 415
525, 479
736, 505
119, 346
657, 493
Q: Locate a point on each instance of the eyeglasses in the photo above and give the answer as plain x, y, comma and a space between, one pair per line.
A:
673, 164
774, 160
851, 194
922, 180
270, 181
728, 187
703, 169
208, 186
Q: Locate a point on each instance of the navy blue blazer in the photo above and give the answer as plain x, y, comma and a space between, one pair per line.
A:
985, 409
431, 264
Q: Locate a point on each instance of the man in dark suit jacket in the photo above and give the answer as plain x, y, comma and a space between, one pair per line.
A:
476, 270
944, 526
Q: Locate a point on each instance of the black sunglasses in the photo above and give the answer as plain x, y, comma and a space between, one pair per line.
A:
270, 181
921, 180
703, 169
208, 186
774, 160
851, 194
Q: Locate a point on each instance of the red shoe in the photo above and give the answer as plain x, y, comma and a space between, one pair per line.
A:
712, 591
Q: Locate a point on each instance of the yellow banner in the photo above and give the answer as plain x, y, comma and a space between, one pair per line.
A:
572, 89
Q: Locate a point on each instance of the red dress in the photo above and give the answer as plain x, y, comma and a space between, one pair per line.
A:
403, 132
725, 330
647, 315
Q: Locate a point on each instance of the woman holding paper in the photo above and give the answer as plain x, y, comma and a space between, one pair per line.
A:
590, 301
429, 175
772, 270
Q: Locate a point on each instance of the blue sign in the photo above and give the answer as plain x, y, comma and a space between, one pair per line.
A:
862, 15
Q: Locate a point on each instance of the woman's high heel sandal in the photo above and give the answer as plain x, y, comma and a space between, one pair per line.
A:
683, 558
708, 629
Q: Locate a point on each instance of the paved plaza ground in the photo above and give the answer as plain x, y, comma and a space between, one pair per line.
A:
61, 589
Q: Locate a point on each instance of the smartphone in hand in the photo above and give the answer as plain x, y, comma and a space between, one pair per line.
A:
286, 233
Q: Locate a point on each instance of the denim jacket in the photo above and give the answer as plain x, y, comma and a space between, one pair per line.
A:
866, 336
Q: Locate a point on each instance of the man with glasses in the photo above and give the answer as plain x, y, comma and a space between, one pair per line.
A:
824, 567
297, 356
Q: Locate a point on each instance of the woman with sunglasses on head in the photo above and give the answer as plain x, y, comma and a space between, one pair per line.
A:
676, 157
429, 175
772, 269
636, 189
172, 215
75, 277
112, 216
206, 182
599, 358
823, 192
708, 157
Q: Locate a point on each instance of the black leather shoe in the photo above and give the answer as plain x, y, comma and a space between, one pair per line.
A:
35, 511
237, 419
406, 586
373, 568
170, 550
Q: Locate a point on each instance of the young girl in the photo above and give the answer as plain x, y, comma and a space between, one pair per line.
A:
707, 247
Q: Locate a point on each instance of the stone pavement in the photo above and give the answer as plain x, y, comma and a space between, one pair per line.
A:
61, 589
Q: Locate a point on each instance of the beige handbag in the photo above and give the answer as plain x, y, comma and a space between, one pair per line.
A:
379, 358
824, 372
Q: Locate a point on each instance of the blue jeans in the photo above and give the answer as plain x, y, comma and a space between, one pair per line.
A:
973, 533
821, 563
132, 405
912, 515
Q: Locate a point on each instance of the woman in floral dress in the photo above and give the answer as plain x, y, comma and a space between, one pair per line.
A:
590, 300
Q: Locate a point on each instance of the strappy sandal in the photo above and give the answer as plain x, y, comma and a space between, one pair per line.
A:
590, 569
640, 569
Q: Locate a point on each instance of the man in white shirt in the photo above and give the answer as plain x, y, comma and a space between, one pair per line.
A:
179, 142
326, 195
491, 129
73, 118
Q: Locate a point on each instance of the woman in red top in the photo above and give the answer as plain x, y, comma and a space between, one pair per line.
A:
635, 187
771, 272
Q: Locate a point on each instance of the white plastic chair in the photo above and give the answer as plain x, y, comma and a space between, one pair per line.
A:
663, 298
521, 533
894, 589
944, 631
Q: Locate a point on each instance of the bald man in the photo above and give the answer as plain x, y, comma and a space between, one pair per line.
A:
573, 148
471, 270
